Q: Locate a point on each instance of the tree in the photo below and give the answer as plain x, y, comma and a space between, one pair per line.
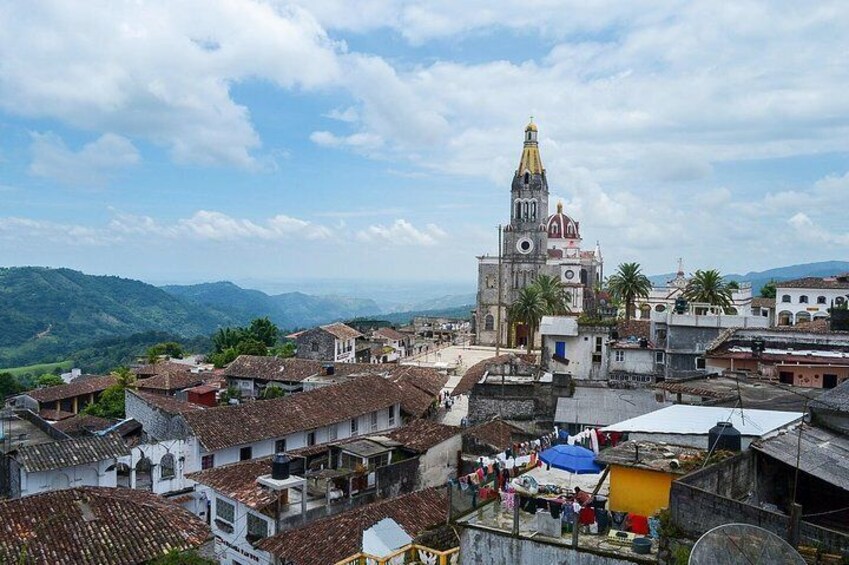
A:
170, 349
47, 380
227, 338
553, 294
251, 346
175, 557
9, 385
272, 391
232, 393
284, 351
529, 308
111, 401
709, 288
262, 329
733, 285
768, 290
628, 284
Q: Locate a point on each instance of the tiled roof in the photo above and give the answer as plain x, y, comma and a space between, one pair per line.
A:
634, 328
143, 371
421, 435
415, 401
70, 452
836, 399
82, 425
390, 333
477, 371
273, 368
75, 388
170, 380
238, 481
429, 380
815, 283
95, 526
168, 404
226, 426
761, 302
341, 331
329, 540
495, 433
55, 415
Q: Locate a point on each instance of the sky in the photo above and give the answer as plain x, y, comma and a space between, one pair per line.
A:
246, 140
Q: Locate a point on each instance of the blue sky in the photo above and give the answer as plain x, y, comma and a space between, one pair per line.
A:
244, 140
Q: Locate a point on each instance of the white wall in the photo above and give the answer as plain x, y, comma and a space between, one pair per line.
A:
439, 463
233, 546
184, 462
639, 361
811, 308
90, 475
579, 351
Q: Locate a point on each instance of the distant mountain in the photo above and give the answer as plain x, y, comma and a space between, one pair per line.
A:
403, 318
760, 278
448, 301
47, 313
289, 310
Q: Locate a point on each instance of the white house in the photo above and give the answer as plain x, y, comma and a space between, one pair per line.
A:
568, 347
803, 300
397, 341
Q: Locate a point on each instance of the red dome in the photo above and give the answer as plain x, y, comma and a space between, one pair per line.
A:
561, 226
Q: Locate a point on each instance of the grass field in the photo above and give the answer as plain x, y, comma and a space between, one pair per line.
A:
39, 369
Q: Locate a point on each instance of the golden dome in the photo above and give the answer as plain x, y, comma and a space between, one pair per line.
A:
531, 126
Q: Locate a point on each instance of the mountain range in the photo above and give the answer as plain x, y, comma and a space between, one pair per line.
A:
760, 278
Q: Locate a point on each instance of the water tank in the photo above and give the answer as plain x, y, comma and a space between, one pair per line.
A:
644, 343
724, 436
329, 369
280, 467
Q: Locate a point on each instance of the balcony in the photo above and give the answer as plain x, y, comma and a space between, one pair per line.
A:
412, 553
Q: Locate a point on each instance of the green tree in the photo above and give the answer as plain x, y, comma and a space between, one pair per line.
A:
554, 295
9, 385
272, 391
529, 308
628, 284
768, 290
708, 287
47, 380
227, 338
262, 329
733, 285
110, 404
232, 393
284, 350
175, 557
170, 349
251, 346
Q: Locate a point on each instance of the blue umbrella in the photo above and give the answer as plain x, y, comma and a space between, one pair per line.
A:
572, 458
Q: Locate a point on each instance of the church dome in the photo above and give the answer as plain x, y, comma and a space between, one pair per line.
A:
561, 226
531, 126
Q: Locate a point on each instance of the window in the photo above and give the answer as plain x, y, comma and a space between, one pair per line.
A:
332, 432
619, 356
257, 527
280, 446
310, 438
527, 174
314, 346
803, 299
821, 300
785, 298
391, 415
373, 417
700, 362
246, 453
560, 349
207, 461
659, 356
166, 467
224, 510
355, 426
489, 323
518, 210
598, 343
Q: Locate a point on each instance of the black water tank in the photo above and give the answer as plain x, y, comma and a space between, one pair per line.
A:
644, 343
329, 369
724, 436
280, 467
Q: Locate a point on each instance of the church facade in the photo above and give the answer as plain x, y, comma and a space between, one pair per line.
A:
533, 243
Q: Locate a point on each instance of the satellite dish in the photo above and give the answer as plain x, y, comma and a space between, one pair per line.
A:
738, 544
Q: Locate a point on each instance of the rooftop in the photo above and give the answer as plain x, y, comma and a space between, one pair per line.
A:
421, 435
70, 452
727, 391
698, 420
169, 380
272, 368
238, 481
226, 426
77, 387
341, 331
605, 406
476, 372
834, 282
329, 540
168, 404
822, 453
498, 434
96, 526
390, 333
82, 425
651, 456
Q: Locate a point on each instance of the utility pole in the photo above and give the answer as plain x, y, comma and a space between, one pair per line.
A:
498, 309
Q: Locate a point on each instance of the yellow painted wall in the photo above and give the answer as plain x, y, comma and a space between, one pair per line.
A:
638, 491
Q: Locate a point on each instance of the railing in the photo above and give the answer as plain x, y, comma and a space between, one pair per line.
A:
412, 553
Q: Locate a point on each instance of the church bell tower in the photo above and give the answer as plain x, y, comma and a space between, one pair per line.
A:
525, 236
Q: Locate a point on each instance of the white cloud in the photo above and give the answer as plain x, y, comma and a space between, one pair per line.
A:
360, 141
91, 165
402, 232
21, 230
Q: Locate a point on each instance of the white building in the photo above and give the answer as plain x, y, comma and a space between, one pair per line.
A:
803, 300
399, 342
568, 347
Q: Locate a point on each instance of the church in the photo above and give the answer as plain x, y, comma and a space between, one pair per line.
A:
533, 243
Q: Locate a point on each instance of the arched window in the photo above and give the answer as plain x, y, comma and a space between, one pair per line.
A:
527, 176
803, 299
821, 300
518, 210
533, 210
166, 467
785, 298
489, 323
525, 209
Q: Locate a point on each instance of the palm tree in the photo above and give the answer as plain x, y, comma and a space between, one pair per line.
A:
124, 378
553, 294
628, 284
708, 287
529, 308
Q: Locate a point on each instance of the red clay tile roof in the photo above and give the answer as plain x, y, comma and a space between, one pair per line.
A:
143, 371
226, 426
329, 540
77, 387
170, 380
477, 371
273, 368
168, 404
429, 380
341, 331
95, 526
55, 415
389, 333
761, 302
496, 433
816, 282
421, 435
415, 402
70, 452
634, 328
82, 425
238, 481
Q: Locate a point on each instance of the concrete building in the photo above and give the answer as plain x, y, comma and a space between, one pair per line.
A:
807, 299
580, 350
398, 342
599, 406
334, 343
764, 307
534, 243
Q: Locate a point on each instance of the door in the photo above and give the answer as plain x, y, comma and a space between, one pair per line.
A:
560, 349
785, 377
829, 381
521, 335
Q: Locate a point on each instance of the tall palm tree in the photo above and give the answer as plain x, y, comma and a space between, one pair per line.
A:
708, 287
529, 308
554, 295
628, 284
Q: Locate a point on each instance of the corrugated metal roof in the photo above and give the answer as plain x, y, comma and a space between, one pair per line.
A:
605, 406
70, 452
823, 453
698, 420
